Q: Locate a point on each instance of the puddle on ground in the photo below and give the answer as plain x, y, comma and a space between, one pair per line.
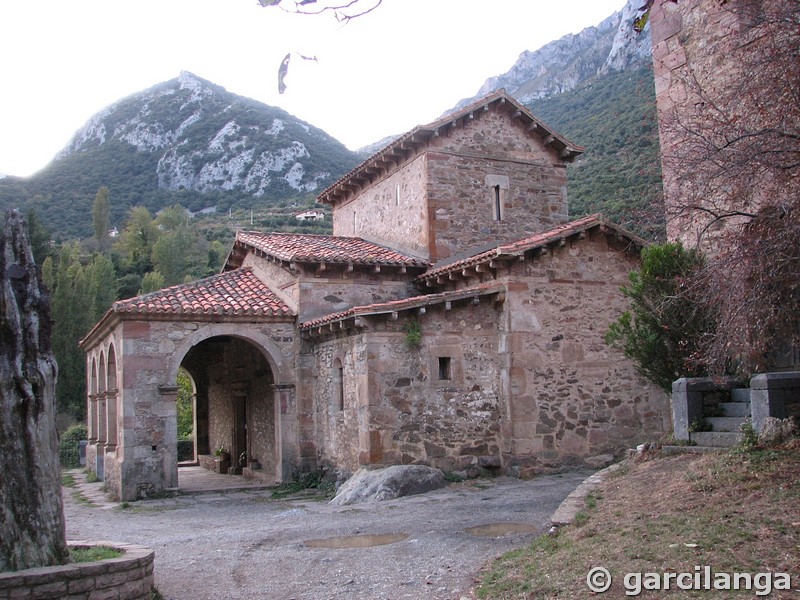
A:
500, 529
357, 541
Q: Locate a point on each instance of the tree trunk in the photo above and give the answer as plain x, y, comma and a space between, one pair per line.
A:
31, 511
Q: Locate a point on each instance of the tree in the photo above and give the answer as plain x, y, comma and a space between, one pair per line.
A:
185, 404
39, 236
101, 218
73, 316
665, 327
175, 254
343, 11
151, 282
103, 284
32, 531
137, 240
752, 287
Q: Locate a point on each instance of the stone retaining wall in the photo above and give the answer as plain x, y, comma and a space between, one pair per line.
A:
128, 577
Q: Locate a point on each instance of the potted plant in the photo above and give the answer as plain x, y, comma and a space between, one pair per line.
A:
222, 454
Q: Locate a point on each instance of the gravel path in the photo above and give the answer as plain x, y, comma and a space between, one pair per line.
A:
243, 544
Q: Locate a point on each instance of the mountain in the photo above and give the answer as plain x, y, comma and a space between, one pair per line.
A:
563, 64
184, 141
190, 142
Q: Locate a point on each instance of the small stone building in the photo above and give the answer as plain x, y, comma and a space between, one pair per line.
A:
455, 318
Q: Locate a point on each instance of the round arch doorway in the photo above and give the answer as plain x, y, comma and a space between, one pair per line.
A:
236, 424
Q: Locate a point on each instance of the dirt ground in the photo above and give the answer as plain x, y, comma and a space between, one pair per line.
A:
233, 544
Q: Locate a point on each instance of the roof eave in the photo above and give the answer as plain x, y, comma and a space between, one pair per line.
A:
409, 144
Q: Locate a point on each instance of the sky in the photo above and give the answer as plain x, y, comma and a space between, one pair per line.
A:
382, 74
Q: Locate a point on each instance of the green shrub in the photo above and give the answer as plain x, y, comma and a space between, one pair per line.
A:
68, 446
663, 330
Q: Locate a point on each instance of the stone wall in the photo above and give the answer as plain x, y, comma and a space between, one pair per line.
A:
705, 54
283, 283
339, 406
571, 396
465, 167
396, 409
523, 382
446, 199
128, 577
391, 212
339, 291
313, 294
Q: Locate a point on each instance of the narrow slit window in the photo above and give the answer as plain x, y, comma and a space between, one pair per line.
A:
444, 368
498, 216
340, 387
397, 195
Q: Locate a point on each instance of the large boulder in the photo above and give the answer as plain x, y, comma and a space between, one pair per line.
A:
374, 485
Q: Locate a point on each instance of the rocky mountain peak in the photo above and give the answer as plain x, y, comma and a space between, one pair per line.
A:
205, 138
563, 64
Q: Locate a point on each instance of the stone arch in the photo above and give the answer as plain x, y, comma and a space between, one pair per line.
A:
111, 368
281, 370
92, 400
274, 445
112, 399
102, 424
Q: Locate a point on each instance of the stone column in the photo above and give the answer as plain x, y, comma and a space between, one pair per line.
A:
92, 418
165, 440
287, 443
769, 395
102, 436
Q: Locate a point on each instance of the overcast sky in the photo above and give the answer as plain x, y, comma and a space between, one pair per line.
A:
400, 66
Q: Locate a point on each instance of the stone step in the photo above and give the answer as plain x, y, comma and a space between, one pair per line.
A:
735, 409
725, 423
667, 450
740, 395
716, 439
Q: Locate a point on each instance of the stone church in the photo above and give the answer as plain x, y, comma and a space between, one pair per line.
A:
455, 318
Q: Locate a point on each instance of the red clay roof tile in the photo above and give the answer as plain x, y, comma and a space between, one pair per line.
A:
325, 248
529, 243
491, 287
237, 292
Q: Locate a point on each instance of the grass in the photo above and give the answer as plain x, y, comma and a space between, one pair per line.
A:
80, 554
736, 512
81, 499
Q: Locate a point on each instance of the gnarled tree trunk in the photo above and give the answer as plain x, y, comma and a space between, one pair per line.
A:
31, 512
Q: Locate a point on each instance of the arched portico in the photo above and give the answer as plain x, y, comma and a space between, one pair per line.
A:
134, 354
240, 379
282, 371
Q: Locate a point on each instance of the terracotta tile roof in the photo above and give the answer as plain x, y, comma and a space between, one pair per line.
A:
416, 140
293, 247
538, 240
407, 303
238, 293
